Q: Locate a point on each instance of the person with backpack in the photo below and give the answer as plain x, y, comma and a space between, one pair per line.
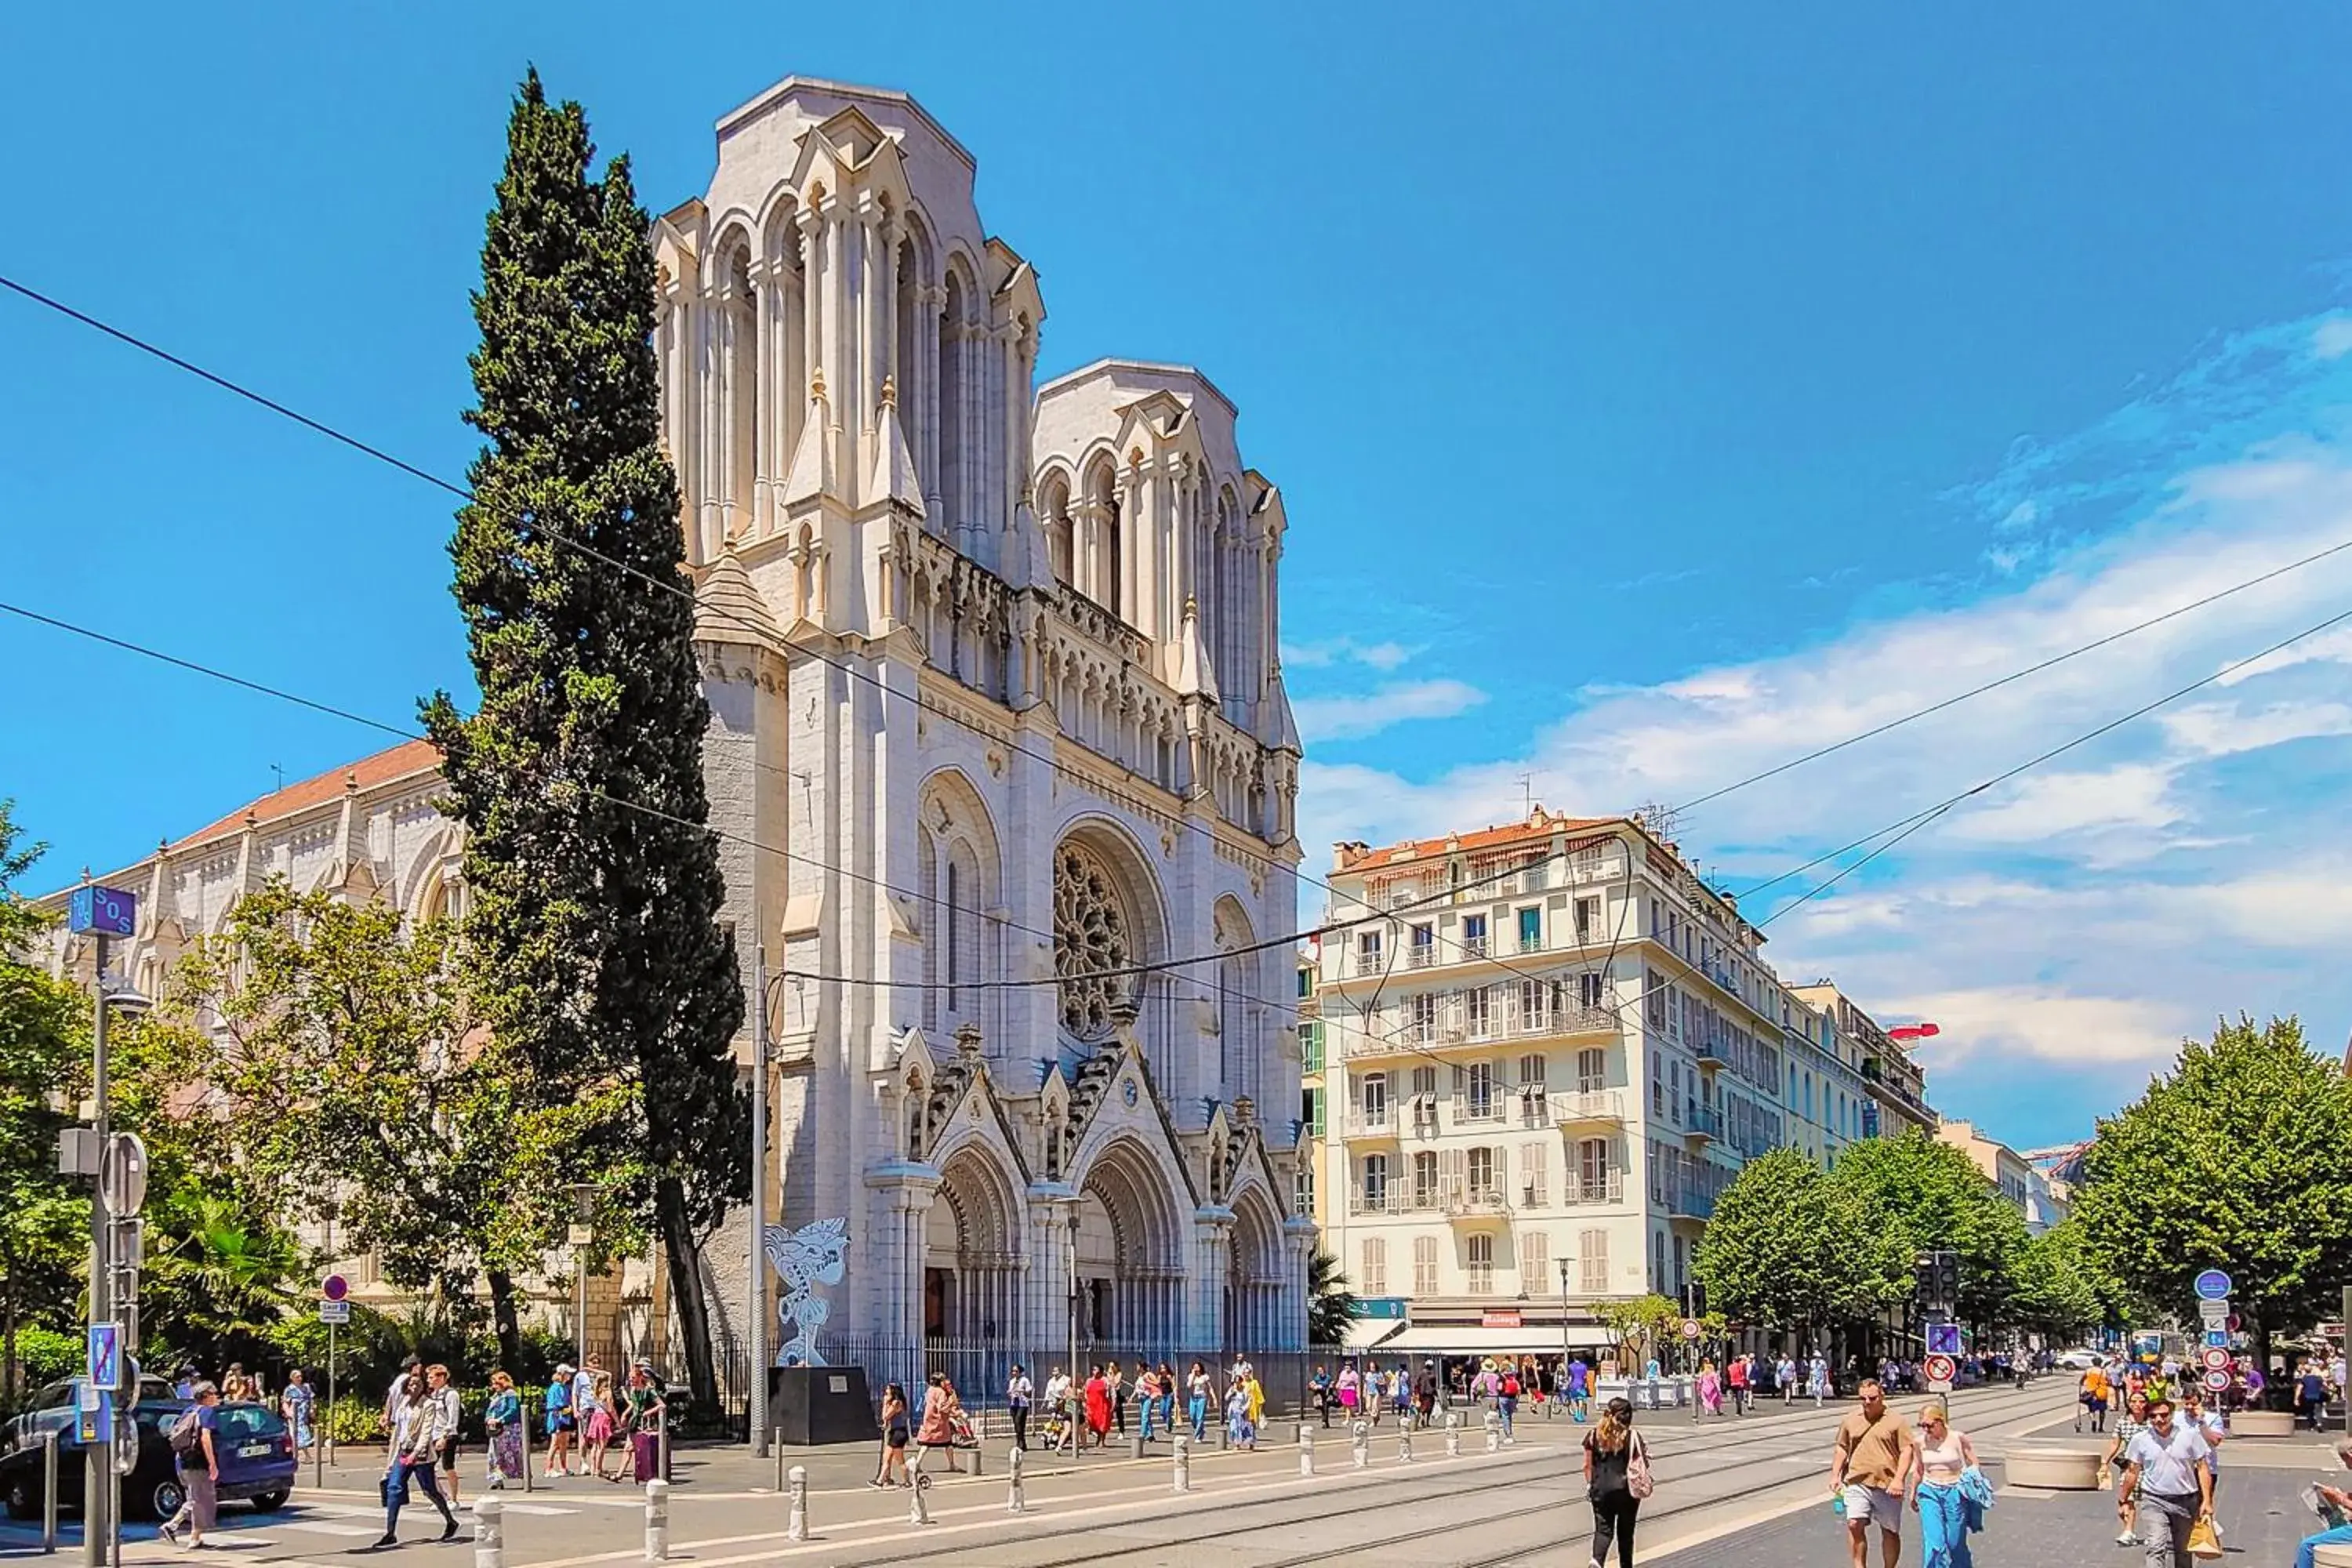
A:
560, 1421
415, 1450
195, 1453
1616, 1479
1506, 1400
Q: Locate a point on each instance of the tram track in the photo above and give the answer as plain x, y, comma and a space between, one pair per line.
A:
1667, 1448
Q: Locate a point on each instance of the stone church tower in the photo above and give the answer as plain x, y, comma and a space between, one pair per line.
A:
999, 732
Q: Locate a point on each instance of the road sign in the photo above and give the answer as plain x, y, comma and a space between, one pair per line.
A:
122, 1173
105, 910
334, 1286
1944, 1338
1690, 1327
2213, 1286
2217, 1337
105, 1364
2215, 1357
335, 1311
1940, 1369
2214, 1312
2217, 1382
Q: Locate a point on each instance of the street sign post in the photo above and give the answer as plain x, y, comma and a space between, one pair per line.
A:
335, 1311
1940, 1370
1690, 1327
2217, 1339
1944, 1338
2212, 1286
2215, 1358
2217, 1382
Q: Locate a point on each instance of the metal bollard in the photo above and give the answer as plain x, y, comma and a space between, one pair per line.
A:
1306, 1451
975, 1459
657, 1520
1183, 1463
1404, 1444
1224, 1436
1135, 1448
1361, 1437
919, 1501
1494, 1433
796, 1522
1452, 1435
1016, 1498
49, 1489
491, 1532
776, 1445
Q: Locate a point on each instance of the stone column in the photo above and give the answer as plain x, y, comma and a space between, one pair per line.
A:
930, 300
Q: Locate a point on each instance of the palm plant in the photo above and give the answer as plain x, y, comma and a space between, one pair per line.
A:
217, 1280
1330, 1303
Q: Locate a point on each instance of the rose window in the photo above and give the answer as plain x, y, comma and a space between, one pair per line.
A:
1090, 938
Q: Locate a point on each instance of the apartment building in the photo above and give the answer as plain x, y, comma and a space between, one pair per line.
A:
1545, 1048
2016, 1174
1896, 1086
1313, 1123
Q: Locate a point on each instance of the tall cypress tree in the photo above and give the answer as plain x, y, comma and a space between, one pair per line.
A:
593, 935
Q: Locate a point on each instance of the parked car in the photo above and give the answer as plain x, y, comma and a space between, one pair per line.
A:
2079, 1360
255, 1450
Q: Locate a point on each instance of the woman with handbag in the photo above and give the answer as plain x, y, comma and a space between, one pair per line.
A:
1616, 1479
502, 1423
415, 1450
1946, 1455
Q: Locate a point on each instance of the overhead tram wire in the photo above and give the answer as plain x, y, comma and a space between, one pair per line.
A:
1170, 966
414, 470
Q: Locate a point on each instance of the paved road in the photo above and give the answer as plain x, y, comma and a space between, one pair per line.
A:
1744, 1491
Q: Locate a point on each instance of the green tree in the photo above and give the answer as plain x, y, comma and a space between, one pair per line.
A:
593, 937
2241, 1159
1789, 1248
1331, 1302
44, 1032
1923, 1195
1638, 1323
353, 1083
2058, 1288
219, 1279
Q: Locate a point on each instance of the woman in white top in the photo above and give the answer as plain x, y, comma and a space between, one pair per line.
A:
416, 1433
1944, 1455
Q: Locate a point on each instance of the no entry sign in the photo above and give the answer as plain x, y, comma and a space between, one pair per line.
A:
1940, 1369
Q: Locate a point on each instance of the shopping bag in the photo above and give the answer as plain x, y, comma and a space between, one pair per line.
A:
2204, 1540
645, 1449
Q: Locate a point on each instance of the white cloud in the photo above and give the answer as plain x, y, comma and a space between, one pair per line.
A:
2223, 728
1384, 657
1351, 717
2045, 1022
2325, 648
2332, 339
2042, 806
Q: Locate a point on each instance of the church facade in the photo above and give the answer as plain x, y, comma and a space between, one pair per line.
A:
1000, 758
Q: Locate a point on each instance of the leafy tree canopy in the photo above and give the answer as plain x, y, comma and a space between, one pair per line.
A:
1788, 1245
1922, 1195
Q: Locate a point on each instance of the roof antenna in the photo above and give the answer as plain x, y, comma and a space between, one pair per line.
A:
1527, 796
278, 773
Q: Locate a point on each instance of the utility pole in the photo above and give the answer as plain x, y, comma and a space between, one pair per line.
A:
100, 1537
757, 1256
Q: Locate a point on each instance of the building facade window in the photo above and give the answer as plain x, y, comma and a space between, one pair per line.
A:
1531, 930
1535, 1261
1424, 1266
1592, 1260
1591, 1069
1482, 1265
1376, 1266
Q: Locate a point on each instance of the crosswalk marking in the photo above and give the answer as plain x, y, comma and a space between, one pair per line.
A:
327, 1527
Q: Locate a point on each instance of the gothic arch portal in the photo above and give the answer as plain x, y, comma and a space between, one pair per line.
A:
971, 1254
1254, 1276
959, 874
1130, 1248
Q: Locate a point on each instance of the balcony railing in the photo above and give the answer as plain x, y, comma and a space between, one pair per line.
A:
1468, 1109
1608, 1190
1363, 1203
1690, 1205
1530, 944
1421, 956
1371, 1124
1361, 964
1473, 947
1705, 1125
1588, 1105
1469, 1203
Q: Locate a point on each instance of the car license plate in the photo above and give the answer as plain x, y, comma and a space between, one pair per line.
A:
254, 1451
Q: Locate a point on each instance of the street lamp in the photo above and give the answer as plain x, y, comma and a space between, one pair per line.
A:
103, 1484
756, 1411
583, 1211
1563, 1325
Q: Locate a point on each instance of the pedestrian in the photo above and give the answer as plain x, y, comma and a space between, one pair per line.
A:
446, 1415
295, 1406
2168, 1469
1115, 1390
415, 1440
1057, 1410
2130, 1422
1784, 1372
1319, 1385
892, 1460
1256, 1393
937, 1430
502, 1426
2333, 1505
1737, 1378
195, 1455
1937, 1494
396, 1395
1710, 1388
644, 1416
1349, 1389
2210, 1427
1238, 1430
236, 1387
1098, 1397
1146, 1384
1167, 1378
1017, 1390
1424, 1393
1616, 1479
1580, 1382
2091, 1399
2310, 1396
583, 1397
1196, 1400
597, 1427
1818, 1379
1870, 1468
1506, 1404
560, 1422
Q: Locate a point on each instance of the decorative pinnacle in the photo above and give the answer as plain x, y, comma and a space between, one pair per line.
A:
889, 392
1191, 606
816, 383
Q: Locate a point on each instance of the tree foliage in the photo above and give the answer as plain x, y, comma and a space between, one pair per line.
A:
1789, 1246
2240, 1159
592, 937
1330, 1302
1920, 1195
2060, 1290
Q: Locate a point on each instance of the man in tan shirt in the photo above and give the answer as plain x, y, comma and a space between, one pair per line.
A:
1868, 1472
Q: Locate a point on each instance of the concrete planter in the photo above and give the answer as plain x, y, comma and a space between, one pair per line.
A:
2263, 1423
2052, 1469
2331, 1557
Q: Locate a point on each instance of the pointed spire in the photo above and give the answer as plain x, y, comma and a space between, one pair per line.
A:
1281, 729
812, 474
894, 465
728, 607
1193, 676
1029, 559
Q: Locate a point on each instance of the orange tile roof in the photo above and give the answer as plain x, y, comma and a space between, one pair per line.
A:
385, 767
1474, 841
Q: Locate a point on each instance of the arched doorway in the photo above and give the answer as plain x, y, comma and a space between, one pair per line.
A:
1130, 1274
1254, 1277
972, 1257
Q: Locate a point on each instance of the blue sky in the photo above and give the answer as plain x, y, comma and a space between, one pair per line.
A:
1656, 393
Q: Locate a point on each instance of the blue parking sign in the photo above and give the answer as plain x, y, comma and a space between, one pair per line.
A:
105, 1369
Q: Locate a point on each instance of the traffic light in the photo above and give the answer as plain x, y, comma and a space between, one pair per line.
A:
1937, 1277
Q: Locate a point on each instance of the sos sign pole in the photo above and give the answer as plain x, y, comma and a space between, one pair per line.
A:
100, 913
